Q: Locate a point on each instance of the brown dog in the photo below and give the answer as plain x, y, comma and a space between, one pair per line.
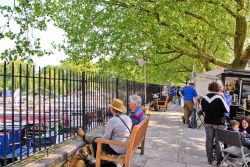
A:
82, 158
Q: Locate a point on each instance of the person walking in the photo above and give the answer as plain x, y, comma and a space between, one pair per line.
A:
190, 99
173, 94
178, 94
214, 107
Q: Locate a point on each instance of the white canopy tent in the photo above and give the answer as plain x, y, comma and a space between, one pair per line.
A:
202, 80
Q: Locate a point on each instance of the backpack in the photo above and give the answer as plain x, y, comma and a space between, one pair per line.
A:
193, 122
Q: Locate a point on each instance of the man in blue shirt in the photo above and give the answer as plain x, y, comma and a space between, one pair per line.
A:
137, 114
173, 92
190, 98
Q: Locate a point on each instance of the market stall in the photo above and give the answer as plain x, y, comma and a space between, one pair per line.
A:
237, 85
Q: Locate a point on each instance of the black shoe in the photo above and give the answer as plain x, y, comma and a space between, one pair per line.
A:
218, 163
183, 120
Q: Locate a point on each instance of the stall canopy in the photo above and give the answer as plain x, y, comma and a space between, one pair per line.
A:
202, 80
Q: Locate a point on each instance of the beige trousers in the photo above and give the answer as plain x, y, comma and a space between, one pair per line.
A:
188, 108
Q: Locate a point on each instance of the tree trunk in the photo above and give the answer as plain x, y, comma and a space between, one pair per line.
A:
241, 63
206, 65
238, 64
240, 57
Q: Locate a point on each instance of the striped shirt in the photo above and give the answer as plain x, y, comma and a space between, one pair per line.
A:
137, 116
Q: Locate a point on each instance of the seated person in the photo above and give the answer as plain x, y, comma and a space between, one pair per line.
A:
244, 136
118, 129
244, 126
137, 114
245, 129
163, 99
235, 125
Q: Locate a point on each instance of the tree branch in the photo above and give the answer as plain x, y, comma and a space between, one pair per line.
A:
176, 71
229, 46
202, 56
170, 60
155, 15
122, 4
186, 67
227, 9
207, 22
165, 52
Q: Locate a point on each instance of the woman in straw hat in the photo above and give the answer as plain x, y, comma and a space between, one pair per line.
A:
118, 129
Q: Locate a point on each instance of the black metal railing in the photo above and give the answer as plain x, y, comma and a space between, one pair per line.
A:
45, 106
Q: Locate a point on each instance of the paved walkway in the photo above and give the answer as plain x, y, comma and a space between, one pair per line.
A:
171, 144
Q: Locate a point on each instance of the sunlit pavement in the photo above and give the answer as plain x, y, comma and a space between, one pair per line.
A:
169, 143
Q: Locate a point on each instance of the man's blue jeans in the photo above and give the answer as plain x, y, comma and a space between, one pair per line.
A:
210, 140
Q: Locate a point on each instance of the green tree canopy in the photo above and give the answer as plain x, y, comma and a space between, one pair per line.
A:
174, 35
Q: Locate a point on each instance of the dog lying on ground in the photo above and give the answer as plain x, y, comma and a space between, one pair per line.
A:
84, 158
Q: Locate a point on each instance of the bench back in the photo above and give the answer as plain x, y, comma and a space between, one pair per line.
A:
137, 135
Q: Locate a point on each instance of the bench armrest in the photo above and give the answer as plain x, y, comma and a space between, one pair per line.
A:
106, 141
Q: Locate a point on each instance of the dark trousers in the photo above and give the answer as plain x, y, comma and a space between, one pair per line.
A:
210, 139
105, 147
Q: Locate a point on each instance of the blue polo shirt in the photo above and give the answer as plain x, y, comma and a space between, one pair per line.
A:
189, 93
173, 92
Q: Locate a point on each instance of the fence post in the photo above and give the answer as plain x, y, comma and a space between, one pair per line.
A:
83, 100
20, 106
117, 84
27, 105
4, 114
12, 110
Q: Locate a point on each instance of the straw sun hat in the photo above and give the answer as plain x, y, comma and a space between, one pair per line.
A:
118, 105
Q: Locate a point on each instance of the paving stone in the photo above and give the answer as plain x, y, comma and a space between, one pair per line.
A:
161, 154
163, 163
192, 159
138, 160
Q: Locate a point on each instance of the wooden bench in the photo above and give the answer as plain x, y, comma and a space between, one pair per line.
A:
137, 139
163, 104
